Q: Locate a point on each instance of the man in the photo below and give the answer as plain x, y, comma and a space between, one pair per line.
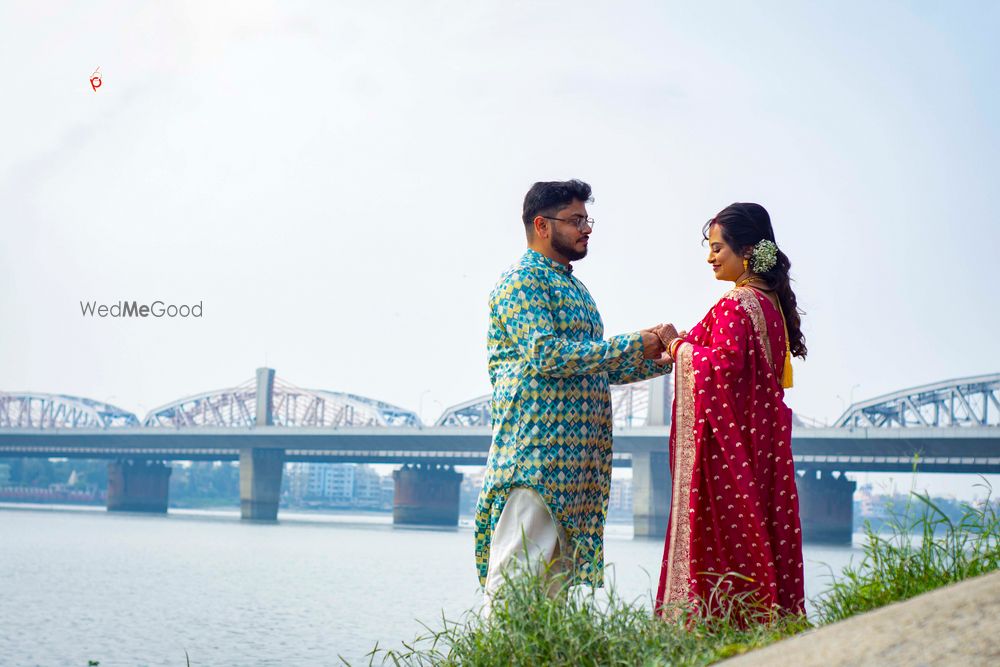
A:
545, 493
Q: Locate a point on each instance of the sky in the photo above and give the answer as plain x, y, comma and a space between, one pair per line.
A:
340, 184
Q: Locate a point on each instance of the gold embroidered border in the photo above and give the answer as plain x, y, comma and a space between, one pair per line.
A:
678, 583
748, 299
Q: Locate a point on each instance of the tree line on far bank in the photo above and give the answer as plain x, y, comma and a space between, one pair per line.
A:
195, 481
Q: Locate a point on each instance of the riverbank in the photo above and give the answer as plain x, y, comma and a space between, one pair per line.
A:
583, 627
955, 625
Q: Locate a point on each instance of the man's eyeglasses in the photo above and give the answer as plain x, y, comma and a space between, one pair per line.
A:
576, 221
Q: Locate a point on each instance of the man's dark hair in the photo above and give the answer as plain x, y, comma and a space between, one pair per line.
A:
547, 197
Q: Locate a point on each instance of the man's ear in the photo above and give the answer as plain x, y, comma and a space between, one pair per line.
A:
541, 226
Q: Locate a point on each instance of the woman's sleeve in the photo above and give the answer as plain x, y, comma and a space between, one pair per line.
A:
729, 331
718, 366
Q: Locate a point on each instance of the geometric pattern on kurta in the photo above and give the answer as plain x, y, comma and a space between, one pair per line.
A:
550, 368
734, 502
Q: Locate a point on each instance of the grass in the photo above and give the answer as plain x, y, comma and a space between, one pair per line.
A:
922, 549
918, 550
580, 626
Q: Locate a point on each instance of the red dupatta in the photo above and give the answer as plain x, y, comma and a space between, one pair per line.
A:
734, 514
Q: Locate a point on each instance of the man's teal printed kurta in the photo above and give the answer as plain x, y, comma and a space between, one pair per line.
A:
550, 368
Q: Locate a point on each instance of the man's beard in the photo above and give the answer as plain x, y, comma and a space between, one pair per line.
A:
566, 249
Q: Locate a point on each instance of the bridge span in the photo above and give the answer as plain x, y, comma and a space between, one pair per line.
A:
947, 427
942, 449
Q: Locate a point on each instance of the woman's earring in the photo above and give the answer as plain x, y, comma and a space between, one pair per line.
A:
746, 263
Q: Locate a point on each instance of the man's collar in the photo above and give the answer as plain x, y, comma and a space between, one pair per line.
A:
536, 258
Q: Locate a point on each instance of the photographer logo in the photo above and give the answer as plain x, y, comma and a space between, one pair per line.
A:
135, 309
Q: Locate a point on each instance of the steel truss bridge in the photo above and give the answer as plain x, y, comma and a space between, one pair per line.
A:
951, 426
970, 401
292, 407
629, 403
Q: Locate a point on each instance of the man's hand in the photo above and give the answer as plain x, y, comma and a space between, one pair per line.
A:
664, 359
652, 345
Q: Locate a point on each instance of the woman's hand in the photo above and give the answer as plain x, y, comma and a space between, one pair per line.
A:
666, 333
670, 345
661, 333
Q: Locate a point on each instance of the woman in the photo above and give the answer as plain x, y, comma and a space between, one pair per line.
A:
734, 518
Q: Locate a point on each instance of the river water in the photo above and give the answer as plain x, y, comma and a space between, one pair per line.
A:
132, 589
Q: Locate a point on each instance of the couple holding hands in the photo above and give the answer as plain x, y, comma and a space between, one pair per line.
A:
734, 506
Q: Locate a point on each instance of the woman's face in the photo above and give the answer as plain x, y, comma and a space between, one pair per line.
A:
727, 264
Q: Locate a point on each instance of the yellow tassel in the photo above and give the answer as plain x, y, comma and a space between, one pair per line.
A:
786, 372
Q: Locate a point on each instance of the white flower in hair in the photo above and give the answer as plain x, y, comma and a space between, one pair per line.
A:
764, 257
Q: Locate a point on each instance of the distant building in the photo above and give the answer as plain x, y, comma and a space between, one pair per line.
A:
343, 484
338, 483
864, 499
620, 499
472, 484
297, 480
367, 487
388, 488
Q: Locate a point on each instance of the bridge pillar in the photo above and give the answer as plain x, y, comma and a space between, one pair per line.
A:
260, 467
260, 483
650, 493
651, 470
138, 486
426, 494
826, 507
661, 400
263, 413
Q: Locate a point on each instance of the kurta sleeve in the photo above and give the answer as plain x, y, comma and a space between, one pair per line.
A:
523, 311
642, 371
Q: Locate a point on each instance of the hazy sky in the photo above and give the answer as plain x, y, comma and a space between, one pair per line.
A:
340, 183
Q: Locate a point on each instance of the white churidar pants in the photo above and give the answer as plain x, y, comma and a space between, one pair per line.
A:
528, 535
